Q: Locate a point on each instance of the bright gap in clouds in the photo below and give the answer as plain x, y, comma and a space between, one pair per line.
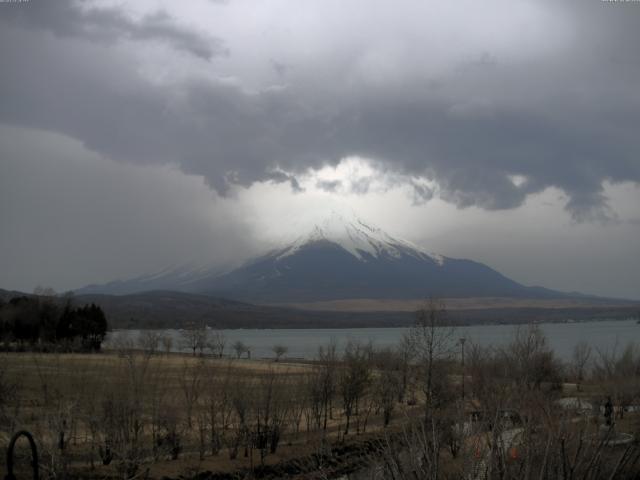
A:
390, 201
355, 186
537, 243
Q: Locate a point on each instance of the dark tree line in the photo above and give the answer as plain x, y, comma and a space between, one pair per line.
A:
45, 321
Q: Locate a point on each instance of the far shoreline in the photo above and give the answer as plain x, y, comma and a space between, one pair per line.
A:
381, 327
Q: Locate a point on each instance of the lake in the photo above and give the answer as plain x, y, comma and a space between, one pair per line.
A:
304, 343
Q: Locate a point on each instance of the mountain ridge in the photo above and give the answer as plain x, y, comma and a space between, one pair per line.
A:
340, 257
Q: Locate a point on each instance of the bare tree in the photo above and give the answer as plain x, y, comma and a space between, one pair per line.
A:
314, 393
167, 343
217, 402
122, 342
279, 351
387, 384
579, 361
269, 412
123, 417
216, 343
432, 339
191, 378
158, 407
148, 341
531, 359
354, 379
239, 347
327, 379
405, 355
618, 374
241, 401
169, 437
299, 400
194, 338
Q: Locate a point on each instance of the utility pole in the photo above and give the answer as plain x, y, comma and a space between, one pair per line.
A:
462, 340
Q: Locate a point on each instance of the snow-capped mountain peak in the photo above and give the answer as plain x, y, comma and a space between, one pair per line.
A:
339, 257
360, 239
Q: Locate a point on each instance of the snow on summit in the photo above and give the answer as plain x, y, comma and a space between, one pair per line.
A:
360, 239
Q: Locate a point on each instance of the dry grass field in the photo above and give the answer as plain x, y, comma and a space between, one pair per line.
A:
171, 415
133, 414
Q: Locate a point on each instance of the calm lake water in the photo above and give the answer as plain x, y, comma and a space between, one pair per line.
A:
304, 343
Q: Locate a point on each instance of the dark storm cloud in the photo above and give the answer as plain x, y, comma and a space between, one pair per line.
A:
569, 122
68, 18
282, 177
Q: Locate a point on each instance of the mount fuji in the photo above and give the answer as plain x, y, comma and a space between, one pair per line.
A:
341, 257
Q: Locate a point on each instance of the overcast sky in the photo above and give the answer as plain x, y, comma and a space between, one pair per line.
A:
138, 135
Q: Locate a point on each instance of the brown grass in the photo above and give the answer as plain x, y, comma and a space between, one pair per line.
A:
76, 383
411, 305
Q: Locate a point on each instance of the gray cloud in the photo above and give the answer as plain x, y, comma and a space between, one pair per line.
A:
279, 176
421, 193
567, 120
360, 186
70, 218
329, 185
279, 68
69, 18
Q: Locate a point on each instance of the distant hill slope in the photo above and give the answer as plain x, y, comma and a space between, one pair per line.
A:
169, 279
167, 309
339, 258
163, 309
6, 295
